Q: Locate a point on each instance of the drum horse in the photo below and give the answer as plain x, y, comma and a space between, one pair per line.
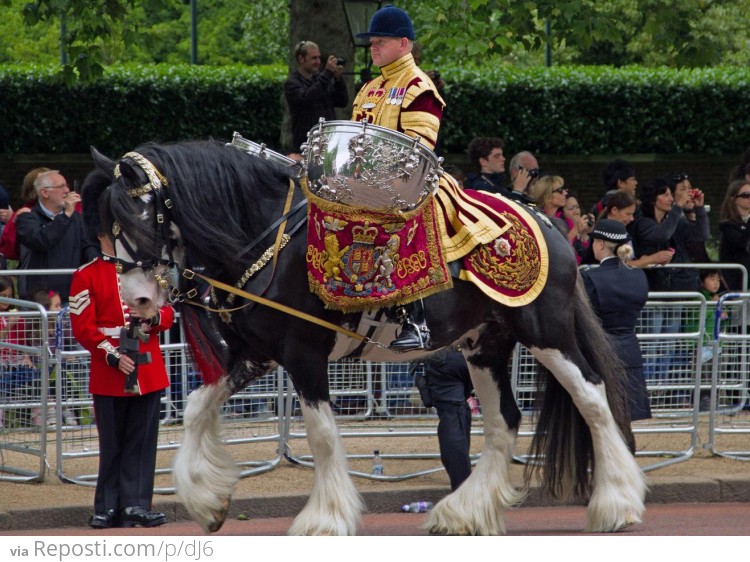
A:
192, 216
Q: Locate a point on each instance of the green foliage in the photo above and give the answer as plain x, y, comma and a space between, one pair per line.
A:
679, 33
558, 110
599, 110
133, 104
99, 33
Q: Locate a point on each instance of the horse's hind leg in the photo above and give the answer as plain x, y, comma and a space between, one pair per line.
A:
334, 507
204, 472
476, 507
618, 483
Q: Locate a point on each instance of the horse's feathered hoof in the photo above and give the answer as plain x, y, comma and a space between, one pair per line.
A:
219, 515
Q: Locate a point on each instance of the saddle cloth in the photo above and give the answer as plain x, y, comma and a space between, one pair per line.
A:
363, 260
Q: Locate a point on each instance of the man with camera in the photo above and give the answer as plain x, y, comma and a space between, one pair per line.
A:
312, 93
524, 171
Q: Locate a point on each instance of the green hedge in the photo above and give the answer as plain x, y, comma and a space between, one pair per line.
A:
602, 110
134, 104
558, 110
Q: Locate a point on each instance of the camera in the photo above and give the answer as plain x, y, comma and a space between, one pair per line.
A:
340, 62
589, 222
533, 172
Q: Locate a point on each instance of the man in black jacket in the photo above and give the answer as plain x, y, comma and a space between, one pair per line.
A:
311, 94
52, 237
486, 154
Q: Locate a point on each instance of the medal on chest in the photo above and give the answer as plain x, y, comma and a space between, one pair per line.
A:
396, 96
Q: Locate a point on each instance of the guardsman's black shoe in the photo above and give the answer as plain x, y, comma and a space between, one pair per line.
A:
132, 516
105, 520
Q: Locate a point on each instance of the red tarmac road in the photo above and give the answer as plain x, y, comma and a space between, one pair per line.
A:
680, 519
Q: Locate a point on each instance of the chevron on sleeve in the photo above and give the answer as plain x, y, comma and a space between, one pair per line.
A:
78, 303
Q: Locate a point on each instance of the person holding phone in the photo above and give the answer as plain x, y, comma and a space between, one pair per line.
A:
52, 236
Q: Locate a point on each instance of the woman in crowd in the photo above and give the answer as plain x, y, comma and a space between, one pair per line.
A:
734, 243
663, 226
621, 206
696, 248
579, 226
618, 293
8, 244
549, 194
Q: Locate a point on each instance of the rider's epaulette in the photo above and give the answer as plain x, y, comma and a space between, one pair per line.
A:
418, 85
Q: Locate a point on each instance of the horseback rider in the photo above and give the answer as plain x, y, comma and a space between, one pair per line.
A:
405, 99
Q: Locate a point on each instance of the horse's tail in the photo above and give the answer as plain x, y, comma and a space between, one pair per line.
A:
563, 439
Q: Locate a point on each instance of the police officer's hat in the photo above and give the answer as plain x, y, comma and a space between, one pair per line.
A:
390, 21
610, 231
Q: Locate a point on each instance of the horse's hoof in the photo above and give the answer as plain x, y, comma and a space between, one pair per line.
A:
215, 526
219, 515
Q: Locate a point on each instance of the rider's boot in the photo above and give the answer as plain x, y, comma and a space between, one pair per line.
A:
414, 333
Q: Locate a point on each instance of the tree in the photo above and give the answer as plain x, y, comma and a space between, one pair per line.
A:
99, 32
677, 33
466, 32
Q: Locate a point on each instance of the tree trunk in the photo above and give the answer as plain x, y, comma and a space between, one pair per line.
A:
323, 22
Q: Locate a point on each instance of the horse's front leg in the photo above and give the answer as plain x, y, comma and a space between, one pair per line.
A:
204, 473
334, 507
476, 507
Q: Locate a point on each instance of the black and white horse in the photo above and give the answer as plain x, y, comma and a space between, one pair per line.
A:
197, 206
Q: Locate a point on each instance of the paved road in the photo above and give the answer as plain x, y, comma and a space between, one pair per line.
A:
680, 519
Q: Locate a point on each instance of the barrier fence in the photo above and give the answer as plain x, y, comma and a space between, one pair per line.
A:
48, 413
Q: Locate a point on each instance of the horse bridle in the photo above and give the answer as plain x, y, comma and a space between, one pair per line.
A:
158, 184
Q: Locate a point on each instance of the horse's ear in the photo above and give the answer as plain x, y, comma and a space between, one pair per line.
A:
105, 164
129, 172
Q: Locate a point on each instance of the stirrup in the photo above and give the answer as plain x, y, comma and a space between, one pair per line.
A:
412, 337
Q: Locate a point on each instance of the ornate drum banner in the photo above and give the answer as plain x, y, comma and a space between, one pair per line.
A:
361, 260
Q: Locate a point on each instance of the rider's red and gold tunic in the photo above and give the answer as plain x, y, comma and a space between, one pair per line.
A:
402, 98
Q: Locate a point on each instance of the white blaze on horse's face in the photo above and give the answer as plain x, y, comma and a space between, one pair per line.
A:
140, 290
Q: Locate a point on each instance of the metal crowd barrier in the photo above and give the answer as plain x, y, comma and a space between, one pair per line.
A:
727, 380
250, 416
24, 387
373, 402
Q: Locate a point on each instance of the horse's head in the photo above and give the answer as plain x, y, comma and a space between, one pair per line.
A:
135, 210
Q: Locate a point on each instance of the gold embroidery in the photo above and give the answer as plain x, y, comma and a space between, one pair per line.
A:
331, 257
520, 269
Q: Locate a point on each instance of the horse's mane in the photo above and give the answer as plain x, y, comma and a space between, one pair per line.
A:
222, 200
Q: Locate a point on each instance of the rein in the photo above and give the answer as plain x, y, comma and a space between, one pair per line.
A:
189, 274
